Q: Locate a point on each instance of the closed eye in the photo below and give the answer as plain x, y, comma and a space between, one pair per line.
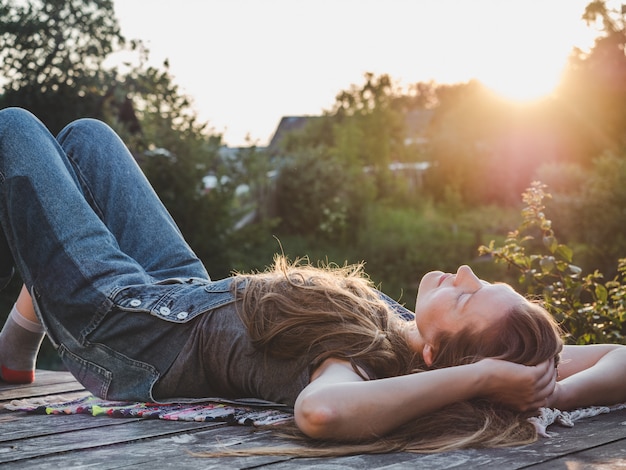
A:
468, 294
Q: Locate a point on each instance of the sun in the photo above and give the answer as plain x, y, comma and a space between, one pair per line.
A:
525, 69
523, 61
523, 85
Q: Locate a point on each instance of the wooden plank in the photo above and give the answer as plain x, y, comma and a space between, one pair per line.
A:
72, 441
173, 450
601, 431
607, 457
16, 425
46, 383
61, 397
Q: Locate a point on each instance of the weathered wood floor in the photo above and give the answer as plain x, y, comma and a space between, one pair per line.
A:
81, 441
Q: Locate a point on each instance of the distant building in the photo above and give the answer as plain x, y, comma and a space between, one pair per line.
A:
286, 125
416, 125
417, 122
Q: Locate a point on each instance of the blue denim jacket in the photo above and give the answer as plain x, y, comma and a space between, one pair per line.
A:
123, 354
175, 300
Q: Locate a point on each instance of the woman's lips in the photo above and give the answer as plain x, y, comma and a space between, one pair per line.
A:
443, 278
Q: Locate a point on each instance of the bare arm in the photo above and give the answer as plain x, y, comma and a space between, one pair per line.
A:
590, 375
338, 404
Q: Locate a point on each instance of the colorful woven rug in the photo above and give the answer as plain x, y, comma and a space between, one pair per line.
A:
202, 412
234, 413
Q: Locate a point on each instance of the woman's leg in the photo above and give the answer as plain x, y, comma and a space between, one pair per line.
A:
77, 234
123, 199
64, 252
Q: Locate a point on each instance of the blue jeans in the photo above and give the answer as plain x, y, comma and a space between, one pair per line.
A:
113, 281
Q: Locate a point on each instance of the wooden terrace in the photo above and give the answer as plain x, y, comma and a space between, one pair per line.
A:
82, 441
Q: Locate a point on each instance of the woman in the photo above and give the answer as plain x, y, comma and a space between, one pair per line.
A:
134, 315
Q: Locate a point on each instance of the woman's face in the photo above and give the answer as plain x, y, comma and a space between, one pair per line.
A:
449, 302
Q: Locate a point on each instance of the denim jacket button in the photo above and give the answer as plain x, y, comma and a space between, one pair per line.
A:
182, 315
135, 303
164, 311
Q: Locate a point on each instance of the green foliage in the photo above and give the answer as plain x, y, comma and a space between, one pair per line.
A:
589, 310
54, 42
453, 134
52, 53
369, 124
587, 209
399, 245
318, 194
248, 243
339, 163
598, 213
485, 148
176, 153
370, 131
594, 85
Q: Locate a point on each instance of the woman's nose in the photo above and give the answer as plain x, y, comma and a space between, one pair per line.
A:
465, 276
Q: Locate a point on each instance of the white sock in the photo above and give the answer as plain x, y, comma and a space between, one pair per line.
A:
20, 340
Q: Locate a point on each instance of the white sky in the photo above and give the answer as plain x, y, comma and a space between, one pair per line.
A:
247, 63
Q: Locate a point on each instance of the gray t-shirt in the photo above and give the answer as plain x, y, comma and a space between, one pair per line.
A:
218, 360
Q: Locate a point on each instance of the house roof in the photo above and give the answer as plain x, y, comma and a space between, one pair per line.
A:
416, 121
288, 124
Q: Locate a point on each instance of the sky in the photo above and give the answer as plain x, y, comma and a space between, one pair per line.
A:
247, 63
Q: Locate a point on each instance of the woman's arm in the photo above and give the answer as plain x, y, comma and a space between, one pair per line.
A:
590, 375
338, 404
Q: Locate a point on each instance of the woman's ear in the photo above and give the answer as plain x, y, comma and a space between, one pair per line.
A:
428, 354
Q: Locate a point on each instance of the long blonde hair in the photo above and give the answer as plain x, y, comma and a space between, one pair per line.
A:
295, 309
323, 312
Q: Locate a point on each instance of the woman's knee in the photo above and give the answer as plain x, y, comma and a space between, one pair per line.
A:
14, 114
85, 130
17, 120
22, 136
88, 139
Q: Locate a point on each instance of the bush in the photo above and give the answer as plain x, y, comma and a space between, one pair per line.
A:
317, 194
587, 210
589, 310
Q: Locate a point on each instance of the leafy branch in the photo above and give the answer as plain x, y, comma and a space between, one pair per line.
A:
588, 310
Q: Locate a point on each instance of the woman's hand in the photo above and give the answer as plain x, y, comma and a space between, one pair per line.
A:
522, 388
555, 398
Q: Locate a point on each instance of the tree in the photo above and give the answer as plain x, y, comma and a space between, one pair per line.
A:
462, 131
592, 218
320, 195
52, 54
326, 180
594, 87
177, 151
370, 128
